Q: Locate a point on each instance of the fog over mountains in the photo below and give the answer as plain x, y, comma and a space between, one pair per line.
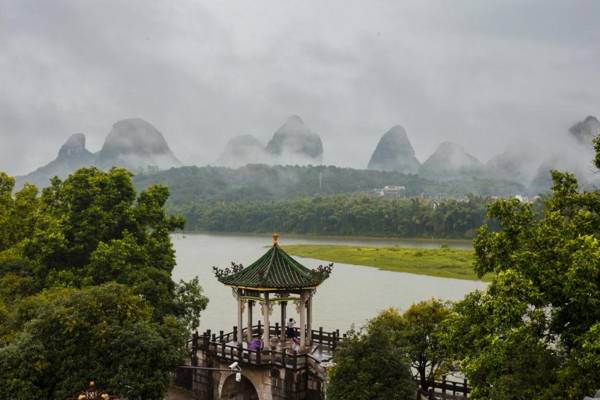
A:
132, 143
525, 164
483, 75
293, 143
137, 145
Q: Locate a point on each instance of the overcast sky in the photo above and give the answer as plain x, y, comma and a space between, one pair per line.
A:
480, 73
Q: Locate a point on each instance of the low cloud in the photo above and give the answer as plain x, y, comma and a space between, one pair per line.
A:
483, 74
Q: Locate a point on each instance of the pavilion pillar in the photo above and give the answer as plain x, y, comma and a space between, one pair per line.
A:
301, 308
266, 311
309, 313
283, 321
249, 322
240, 333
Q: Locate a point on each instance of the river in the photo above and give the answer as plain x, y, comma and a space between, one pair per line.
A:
350, 296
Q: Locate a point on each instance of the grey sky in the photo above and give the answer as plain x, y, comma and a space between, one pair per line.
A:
480, 73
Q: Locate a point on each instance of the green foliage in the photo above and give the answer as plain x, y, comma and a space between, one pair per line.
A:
190, 302
86, 289
376, 363
445, 262
581, 373
192, 185
67, 336
533, 334
370, 366
422, 339
342, 215
18, 213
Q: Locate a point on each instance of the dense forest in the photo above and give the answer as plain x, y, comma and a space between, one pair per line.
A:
188, 185
86, 288
341, 215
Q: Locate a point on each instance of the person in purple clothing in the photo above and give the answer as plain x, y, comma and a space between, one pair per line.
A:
255, 344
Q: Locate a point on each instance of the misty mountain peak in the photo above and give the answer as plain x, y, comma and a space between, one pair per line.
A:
296, 143
451, 161
516, 163
136, 144
135, 135
74, 146
242, 150
394, 152
585, 131
71, 156
294, 120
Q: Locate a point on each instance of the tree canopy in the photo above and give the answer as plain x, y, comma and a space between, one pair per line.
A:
371, 366
534, 333
392, 354
86, 289
342, 215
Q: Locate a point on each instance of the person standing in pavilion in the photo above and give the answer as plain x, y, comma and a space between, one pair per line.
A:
291, 324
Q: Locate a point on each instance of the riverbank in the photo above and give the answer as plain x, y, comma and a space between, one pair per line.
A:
350, 240
441, 262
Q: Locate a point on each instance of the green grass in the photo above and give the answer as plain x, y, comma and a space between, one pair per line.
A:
443, 262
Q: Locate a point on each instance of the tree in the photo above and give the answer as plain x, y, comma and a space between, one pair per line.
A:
421, 340
496, 336
370, 366
531, 334
64, 337
412, 341
86, 288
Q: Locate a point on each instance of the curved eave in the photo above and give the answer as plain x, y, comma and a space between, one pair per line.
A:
267, 289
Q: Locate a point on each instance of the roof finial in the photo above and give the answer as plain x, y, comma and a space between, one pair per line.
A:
275, 238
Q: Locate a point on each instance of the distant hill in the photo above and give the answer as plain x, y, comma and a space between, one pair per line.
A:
132, 143
575, 156
585, 131
451, 161
135, 144
394, 152
516, 163
71, 156
293, 143
190, 185
242, 150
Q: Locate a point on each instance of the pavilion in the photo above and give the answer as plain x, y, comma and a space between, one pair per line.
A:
274, 279
225, 365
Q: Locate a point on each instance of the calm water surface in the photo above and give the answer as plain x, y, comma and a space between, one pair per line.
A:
350, 296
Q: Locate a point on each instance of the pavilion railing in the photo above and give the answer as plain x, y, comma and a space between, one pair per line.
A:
223, 345
446, 390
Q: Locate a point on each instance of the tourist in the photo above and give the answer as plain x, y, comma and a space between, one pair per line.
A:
296, 344
255, 344
290, 328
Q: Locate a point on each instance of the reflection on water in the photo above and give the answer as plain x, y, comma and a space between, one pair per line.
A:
350, 296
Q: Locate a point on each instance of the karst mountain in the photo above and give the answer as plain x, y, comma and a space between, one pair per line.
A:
451, 161
132, 143
394, 152
292, 144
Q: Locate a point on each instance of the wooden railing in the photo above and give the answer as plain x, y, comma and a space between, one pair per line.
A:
222, 345
446, 390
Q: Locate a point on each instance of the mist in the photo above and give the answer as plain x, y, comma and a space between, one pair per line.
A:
485, 75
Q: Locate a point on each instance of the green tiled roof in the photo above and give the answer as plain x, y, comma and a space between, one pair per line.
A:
275, 270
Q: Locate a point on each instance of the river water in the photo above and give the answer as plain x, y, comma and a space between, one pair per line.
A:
351, 295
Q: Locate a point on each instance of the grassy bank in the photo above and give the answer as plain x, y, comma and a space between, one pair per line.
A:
444, 263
